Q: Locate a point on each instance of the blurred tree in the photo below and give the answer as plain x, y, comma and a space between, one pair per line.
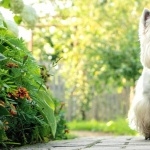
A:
98, 43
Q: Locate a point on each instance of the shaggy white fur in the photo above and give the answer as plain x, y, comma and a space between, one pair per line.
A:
139, 113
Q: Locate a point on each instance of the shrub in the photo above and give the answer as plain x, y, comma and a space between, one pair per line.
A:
62, 128
26, 106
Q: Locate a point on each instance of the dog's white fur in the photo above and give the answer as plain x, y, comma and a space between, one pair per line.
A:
139, 113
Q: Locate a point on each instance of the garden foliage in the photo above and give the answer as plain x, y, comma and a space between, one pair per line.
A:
26, 106
115, 127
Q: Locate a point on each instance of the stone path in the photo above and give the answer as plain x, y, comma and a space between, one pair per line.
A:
94, 143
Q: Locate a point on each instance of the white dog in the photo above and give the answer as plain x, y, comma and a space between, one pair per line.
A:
139, 113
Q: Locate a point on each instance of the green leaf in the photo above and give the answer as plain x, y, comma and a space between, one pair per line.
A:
47, 97
3, 111
5, 3
25, 58
2, 57
46, 107
2, 27
17, 19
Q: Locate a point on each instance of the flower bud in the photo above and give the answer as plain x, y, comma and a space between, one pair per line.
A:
16, 6
29, 15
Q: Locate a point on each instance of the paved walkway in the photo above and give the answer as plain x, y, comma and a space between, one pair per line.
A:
94, 143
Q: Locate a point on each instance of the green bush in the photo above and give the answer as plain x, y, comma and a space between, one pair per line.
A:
27, 108
62, 128
117, 127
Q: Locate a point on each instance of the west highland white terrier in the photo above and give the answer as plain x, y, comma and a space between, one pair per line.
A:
139, 113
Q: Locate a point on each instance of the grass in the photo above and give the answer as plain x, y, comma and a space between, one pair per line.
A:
116, 127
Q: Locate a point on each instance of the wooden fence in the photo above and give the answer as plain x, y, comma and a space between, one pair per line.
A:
105, 106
